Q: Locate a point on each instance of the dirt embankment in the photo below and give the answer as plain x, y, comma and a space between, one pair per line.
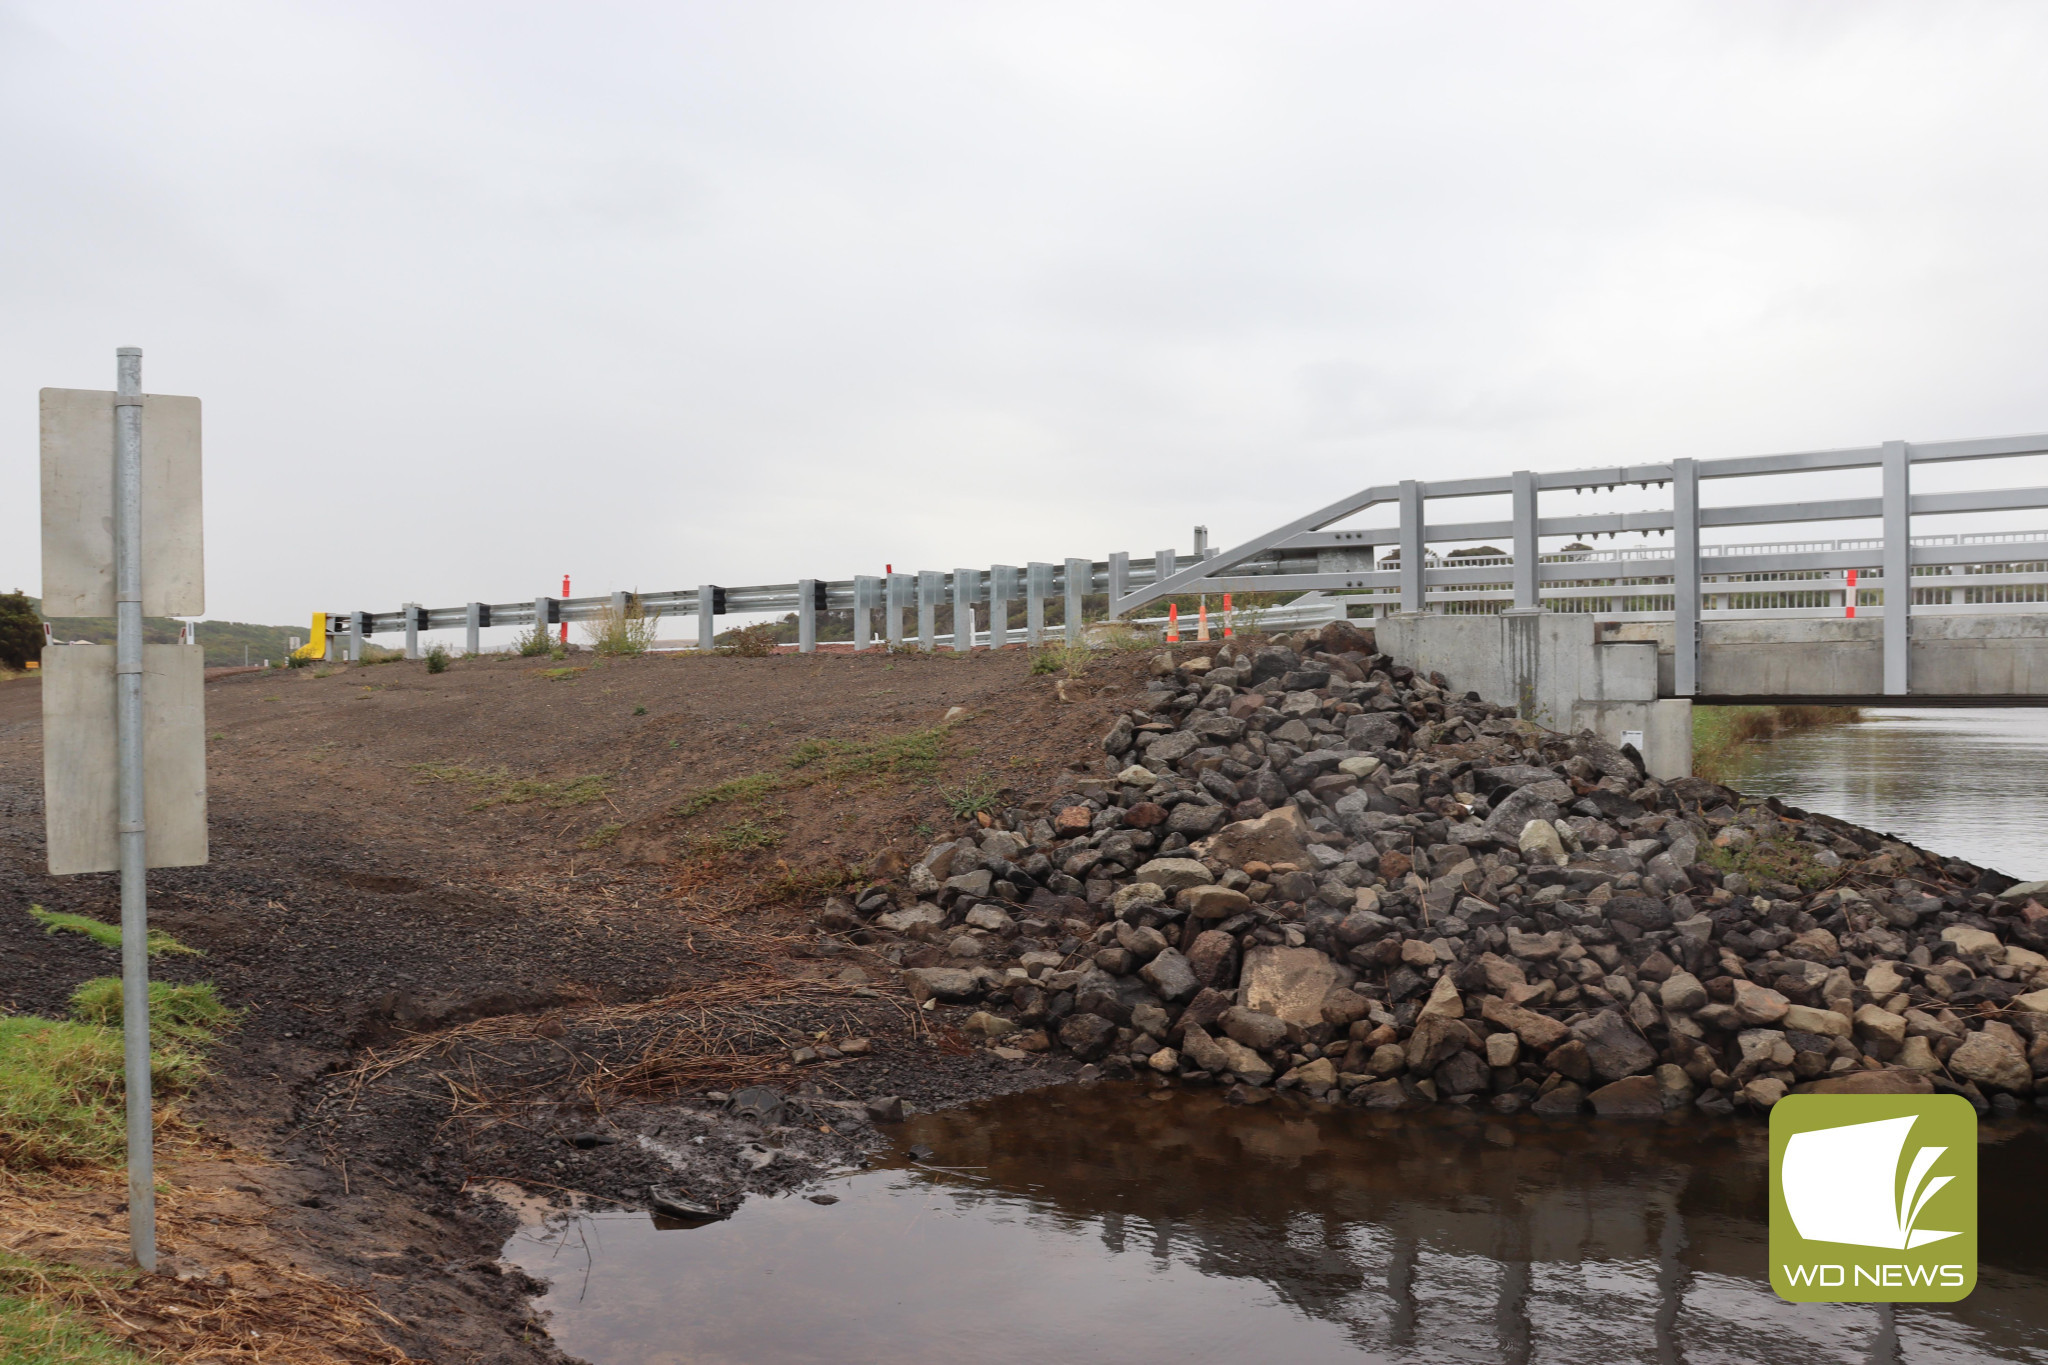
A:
487, 926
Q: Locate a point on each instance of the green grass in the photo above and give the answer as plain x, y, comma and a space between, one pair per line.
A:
500, 788
976, 796
559, 674
744, 836
1722, 736
104, 934
61, 1080
36, 1332
601, 837
915, 753
1772, 860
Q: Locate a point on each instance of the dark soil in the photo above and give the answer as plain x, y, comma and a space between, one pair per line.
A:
442, 993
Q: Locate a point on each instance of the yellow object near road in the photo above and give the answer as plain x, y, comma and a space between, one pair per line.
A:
316, 643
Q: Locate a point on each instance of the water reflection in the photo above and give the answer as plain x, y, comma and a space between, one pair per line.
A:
1102, 1224
1964, 783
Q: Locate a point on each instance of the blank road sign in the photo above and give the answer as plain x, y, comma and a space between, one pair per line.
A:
78, 503
79, 767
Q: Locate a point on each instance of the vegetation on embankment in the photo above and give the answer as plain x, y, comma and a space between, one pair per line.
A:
63, 1117
1722, 735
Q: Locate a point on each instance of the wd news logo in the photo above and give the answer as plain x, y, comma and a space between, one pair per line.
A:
1873, 1198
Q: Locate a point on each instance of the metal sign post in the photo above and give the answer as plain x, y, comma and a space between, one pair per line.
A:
124, 738
132, 828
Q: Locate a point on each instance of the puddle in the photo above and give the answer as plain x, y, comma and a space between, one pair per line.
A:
1103, 1224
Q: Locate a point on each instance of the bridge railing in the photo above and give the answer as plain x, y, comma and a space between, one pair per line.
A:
1687, 583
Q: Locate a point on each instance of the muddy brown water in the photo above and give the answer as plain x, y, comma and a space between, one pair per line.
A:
1109, 1223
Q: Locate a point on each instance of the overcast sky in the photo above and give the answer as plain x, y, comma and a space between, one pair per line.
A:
664, 294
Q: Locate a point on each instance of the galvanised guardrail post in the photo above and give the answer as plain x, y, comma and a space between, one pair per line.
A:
807, 595
707, 616
867, 595
1002, 590
1080, 577
930, 586
1038, 587
899, 602
1119, 575
475, 617
966, 592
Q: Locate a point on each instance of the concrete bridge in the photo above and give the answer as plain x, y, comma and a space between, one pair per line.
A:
1624, 641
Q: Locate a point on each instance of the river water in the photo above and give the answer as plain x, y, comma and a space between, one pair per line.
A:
1971, 784
1105, 1223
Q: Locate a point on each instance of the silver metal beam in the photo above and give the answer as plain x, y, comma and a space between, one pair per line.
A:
1898, 567
1525, 540
1685, 577
1080, 577
1411, 545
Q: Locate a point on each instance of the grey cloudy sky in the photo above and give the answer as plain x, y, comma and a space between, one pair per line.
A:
662, 294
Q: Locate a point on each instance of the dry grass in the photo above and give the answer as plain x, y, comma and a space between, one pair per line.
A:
62, 1248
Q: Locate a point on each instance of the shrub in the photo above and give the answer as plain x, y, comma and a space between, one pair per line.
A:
437, 659
21, 631
537, 641
978, 795
749, 642
615, 632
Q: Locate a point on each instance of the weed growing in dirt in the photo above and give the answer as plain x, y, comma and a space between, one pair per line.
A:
744, 836
559, 674
976, 796
1068, 662
106, 935
537, 642
749, 642
915, 753
502, 789
639, 710
437, 659
613, 632
796, 884
750, 790
1771, 860
377, 654
61, 1081
602, 836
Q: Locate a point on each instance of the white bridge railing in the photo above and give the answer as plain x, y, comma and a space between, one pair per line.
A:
1686, 583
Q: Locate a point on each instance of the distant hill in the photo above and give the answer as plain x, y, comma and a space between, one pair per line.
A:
223, 641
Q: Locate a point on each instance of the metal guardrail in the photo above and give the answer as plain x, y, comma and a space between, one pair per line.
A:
1298, 555
996, 589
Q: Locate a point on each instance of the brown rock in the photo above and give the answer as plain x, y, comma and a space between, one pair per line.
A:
1073, 820
1212, 902
1758, 1006
1631, 1097
1274, 838
1289, 983
1385, 1096
1993, 1062
1213, 956
1145, 814
1538, 1031
1395, 865
1559, 1102
1569, 1059
1875, 1083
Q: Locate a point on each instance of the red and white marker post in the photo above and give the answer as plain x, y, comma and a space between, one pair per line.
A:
1850, 596
565, 620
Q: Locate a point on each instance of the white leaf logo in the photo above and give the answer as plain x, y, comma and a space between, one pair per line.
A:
1842, 1185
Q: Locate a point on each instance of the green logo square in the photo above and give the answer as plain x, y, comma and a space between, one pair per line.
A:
1873, 1198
